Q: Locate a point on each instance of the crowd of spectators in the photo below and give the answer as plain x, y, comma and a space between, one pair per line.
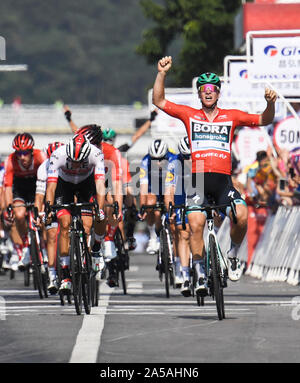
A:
273, 179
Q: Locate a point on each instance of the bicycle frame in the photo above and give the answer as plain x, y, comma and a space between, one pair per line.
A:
221, 258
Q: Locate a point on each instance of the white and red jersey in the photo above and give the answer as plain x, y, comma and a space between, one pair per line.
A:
62, 166
14, 168
210, 142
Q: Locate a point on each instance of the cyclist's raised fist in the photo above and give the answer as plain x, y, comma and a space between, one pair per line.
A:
164, 64
270, 95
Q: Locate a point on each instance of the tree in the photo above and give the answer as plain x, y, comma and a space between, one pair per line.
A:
82, 52
205, 30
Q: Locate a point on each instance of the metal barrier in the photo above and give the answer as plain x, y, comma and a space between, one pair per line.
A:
277, 255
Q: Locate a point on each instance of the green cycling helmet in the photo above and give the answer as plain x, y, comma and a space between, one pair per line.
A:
208, 78
108, 134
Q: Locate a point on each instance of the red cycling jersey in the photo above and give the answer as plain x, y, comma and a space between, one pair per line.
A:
14, 168
126, 176
210, 142
112, 161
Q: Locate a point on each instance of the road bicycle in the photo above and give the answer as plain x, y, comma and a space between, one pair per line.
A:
38, 265
165, 260
215, 262
80, 257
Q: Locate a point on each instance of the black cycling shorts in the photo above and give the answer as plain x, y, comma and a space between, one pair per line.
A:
24, 189
84, 191
207, 188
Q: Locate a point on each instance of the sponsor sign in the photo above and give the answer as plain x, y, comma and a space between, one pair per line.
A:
287, 134
278, 58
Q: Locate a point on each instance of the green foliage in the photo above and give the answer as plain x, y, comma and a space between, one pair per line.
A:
205, 28
82, 52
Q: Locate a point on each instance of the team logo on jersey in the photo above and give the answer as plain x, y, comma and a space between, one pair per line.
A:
211, 132
169, 177
142, 173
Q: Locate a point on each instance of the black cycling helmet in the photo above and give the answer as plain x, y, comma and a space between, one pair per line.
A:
208, 78
92, 132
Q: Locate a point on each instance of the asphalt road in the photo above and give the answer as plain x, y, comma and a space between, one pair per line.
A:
261, 325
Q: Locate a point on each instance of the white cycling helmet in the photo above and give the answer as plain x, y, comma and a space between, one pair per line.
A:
158, 148
78, 148
184, 146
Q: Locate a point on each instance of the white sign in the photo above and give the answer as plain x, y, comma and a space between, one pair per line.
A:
287, 134
276, 57
165, 124
248, 142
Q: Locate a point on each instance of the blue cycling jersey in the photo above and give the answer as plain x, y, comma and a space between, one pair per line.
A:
178, 175
154, 172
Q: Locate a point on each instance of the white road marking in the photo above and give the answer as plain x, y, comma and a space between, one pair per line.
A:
89, 336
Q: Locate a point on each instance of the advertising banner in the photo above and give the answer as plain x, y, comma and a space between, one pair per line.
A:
276, 59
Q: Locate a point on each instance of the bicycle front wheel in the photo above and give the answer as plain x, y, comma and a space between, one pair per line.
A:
216, 278
36, 265
87, 282
76, 276
165, 260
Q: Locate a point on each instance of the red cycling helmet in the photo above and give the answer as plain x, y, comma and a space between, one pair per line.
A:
92, 132
23, 141
78, 148
52, 147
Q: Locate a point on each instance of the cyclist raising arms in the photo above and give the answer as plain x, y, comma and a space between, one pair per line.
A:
75, 169
210, 131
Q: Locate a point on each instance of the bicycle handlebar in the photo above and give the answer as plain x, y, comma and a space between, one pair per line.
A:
184, 208
115, 207
29, 207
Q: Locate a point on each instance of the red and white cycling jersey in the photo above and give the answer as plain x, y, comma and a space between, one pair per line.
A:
61, 166
211, 141
14, 168
112, 160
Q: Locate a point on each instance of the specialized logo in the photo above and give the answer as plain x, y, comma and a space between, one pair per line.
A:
270, 50
244, 74
231, 194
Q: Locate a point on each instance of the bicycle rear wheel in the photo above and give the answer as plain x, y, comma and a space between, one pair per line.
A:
76, 276
121, 251
216, 278
94, 289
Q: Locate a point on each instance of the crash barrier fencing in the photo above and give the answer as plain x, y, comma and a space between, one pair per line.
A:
277, 254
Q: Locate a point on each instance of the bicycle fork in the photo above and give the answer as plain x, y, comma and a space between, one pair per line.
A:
221, 259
